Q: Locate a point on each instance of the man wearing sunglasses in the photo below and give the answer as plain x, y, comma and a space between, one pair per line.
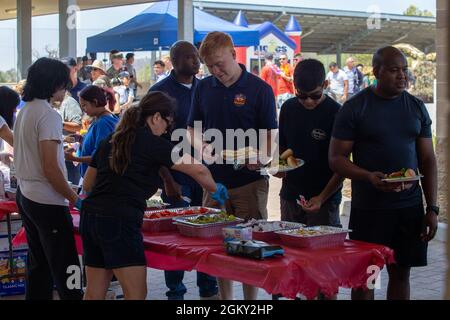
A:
306, 123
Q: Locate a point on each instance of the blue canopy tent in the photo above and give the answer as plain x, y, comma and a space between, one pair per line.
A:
157, 27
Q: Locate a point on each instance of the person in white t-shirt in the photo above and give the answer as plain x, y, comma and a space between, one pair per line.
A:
43, 193
337, 83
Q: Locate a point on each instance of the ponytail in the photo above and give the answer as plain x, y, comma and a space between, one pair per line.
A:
133, 118
123, 139
111, 98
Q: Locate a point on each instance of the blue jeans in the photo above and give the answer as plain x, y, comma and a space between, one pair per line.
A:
207, 284
73, 173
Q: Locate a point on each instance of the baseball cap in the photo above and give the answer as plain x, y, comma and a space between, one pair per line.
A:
124, 74
69, 61
117, 56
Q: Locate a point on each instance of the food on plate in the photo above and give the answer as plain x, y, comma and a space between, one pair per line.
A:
292, 162
174, 213
152, 203
246, 153
268, 226
213, 218
70, 139
287, 154
309, 232
284, 164
404, 173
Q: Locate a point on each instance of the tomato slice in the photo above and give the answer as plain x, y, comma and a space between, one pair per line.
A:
203, 210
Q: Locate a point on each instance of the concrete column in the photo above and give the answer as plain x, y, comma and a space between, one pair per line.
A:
68, 14
186, 20
442, 114
339, 54
24, 30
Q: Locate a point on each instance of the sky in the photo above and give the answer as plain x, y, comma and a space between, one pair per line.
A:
45, 28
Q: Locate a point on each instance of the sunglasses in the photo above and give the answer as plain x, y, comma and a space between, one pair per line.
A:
314, 96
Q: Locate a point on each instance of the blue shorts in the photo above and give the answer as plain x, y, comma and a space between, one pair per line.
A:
112, 241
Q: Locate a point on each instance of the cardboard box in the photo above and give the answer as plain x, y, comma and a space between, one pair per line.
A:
236, 233
15, 227
4, 245
10, 286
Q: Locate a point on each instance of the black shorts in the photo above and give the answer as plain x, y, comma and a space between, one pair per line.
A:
399, 229
112, 241
328, 214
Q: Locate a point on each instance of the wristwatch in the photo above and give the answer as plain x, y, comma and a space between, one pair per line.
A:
435, 209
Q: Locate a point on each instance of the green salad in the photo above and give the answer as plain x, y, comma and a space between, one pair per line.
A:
216, 218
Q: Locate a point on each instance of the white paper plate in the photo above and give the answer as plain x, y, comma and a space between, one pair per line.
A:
275, 170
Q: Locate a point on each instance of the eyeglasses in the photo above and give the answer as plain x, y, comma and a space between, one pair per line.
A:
314, 96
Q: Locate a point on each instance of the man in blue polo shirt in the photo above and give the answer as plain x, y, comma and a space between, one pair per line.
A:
235, 99
180, 84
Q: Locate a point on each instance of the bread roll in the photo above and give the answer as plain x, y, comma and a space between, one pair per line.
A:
288, 153
292, 162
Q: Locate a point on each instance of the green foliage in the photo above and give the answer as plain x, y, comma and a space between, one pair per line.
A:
425, 73
412, 10
8, 76
144, 74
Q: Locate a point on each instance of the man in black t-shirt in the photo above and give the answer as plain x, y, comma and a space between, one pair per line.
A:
306, 123
387, 129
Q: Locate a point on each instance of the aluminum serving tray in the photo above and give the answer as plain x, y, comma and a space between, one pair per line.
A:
207, 230
271, 235
165, 224
333, 237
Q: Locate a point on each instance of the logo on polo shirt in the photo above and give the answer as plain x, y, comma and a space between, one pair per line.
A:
319, 134
239, 100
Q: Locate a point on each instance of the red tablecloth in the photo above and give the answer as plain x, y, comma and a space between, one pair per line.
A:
20, 238
299, 271
302, 271
7, 207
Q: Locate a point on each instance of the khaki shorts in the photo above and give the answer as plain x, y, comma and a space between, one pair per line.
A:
246, 202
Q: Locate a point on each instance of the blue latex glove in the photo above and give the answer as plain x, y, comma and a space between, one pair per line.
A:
221, 194
78, 204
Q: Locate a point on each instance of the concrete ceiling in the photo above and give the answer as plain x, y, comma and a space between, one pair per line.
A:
325, 28
43, 7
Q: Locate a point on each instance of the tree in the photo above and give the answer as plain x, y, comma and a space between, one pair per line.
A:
412, 10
